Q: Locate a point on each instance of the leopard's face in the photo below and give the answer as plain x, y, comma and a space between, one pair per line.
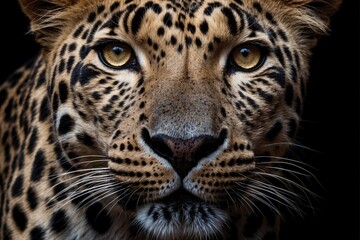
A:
178, 111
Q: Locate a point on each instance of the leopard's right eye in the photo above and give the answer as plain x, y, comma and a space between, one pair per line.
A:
116, 55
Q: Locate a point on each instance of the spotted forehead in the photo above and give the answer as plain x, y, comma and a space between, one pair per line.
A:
139, 18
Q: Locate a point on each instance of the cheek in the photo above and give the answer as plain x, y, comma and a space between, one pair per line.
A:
65, 121
107, 93
256, 94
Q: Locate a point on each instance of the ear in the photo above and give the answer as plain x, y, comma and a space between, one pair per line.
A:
48, 18
324, 9
311, 18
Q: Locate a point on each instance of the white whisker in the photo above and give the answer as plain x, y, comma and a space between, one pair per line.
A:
88, 156
90, 191
229, 195
287, 160
92, 162
246, 200
83, 170
260, 197
80, 183
277, 196
115, 200
105, 192
288, 171
290, 144
281, 179
119, 197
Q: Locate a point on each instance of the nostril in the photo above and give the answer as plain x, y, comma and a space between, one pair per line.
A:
183, 154
210, 145
156, 144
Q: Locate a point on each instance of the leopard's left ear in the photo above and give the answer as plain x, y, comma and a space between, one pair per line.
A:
316, 10
325, 7
310, 18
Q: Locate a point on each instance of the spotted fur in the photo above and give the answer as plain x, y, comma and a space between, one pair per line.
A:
179, 143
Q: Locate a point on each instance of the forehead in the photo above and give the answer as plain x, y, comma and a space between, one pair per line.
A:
227, 17
187, 7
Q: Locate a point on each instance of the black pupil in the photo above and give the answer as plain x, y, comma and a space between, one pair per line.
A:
245, 52
117, 50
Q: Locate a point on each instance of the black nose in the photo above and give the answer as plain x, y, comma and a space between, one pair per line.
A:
183, 154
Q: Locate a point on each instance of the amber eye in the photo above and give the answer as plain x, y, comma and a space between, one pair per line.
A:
247, 57
115, 55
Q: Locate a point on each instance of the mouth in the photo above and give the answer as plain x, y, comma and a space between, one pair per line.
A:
180, 196
177, 198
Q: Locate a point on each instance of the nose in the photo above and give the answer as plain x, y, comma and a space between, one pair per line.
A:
183, 154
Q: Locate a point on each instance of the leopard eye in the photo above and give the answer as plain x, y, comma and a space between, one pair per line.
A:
115, 55
247, 57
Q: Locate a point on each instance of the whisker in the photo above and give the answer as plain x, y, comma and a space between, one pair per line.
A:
288, 183
133, 192
70, 186
277, 195
295, 164
91, 162
282, 179
115, 200
276, 188
63, 180
81, 182
269, 191
287, 160
101, 194
291, 144
288, 171
265, 202
120, 196
138, 199
75, 173
229, 195
246, 200
83, 170
77, 194
88, 156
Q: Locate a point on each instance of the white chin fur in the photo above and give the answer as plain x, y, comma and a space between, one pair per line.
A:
181, 220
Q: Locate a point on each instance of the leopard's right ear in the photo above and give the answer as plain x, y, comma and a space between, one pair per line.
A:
38, 9
48, 18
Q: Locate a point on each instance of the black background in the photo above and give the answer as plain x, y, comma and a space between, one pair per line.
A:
330, 121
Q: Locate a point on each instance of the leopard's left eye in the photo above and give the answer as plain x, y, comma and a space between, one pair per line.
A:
247, 57
115, 54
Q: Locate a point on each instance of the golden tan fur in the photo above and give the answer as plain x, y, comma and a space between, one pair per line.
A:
188, 138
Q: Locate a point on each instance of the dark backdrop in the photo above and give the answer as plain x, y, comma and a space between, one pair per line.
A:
330, 123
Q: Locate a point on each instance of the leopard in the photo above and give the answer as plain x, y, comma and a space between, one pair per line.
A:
157, 119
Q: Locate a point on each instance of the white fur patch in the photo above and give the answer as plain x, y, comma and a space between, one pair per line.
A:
180, 220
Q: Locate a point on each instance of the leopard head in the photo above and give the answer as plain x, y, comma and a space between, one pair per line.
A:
179, 112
